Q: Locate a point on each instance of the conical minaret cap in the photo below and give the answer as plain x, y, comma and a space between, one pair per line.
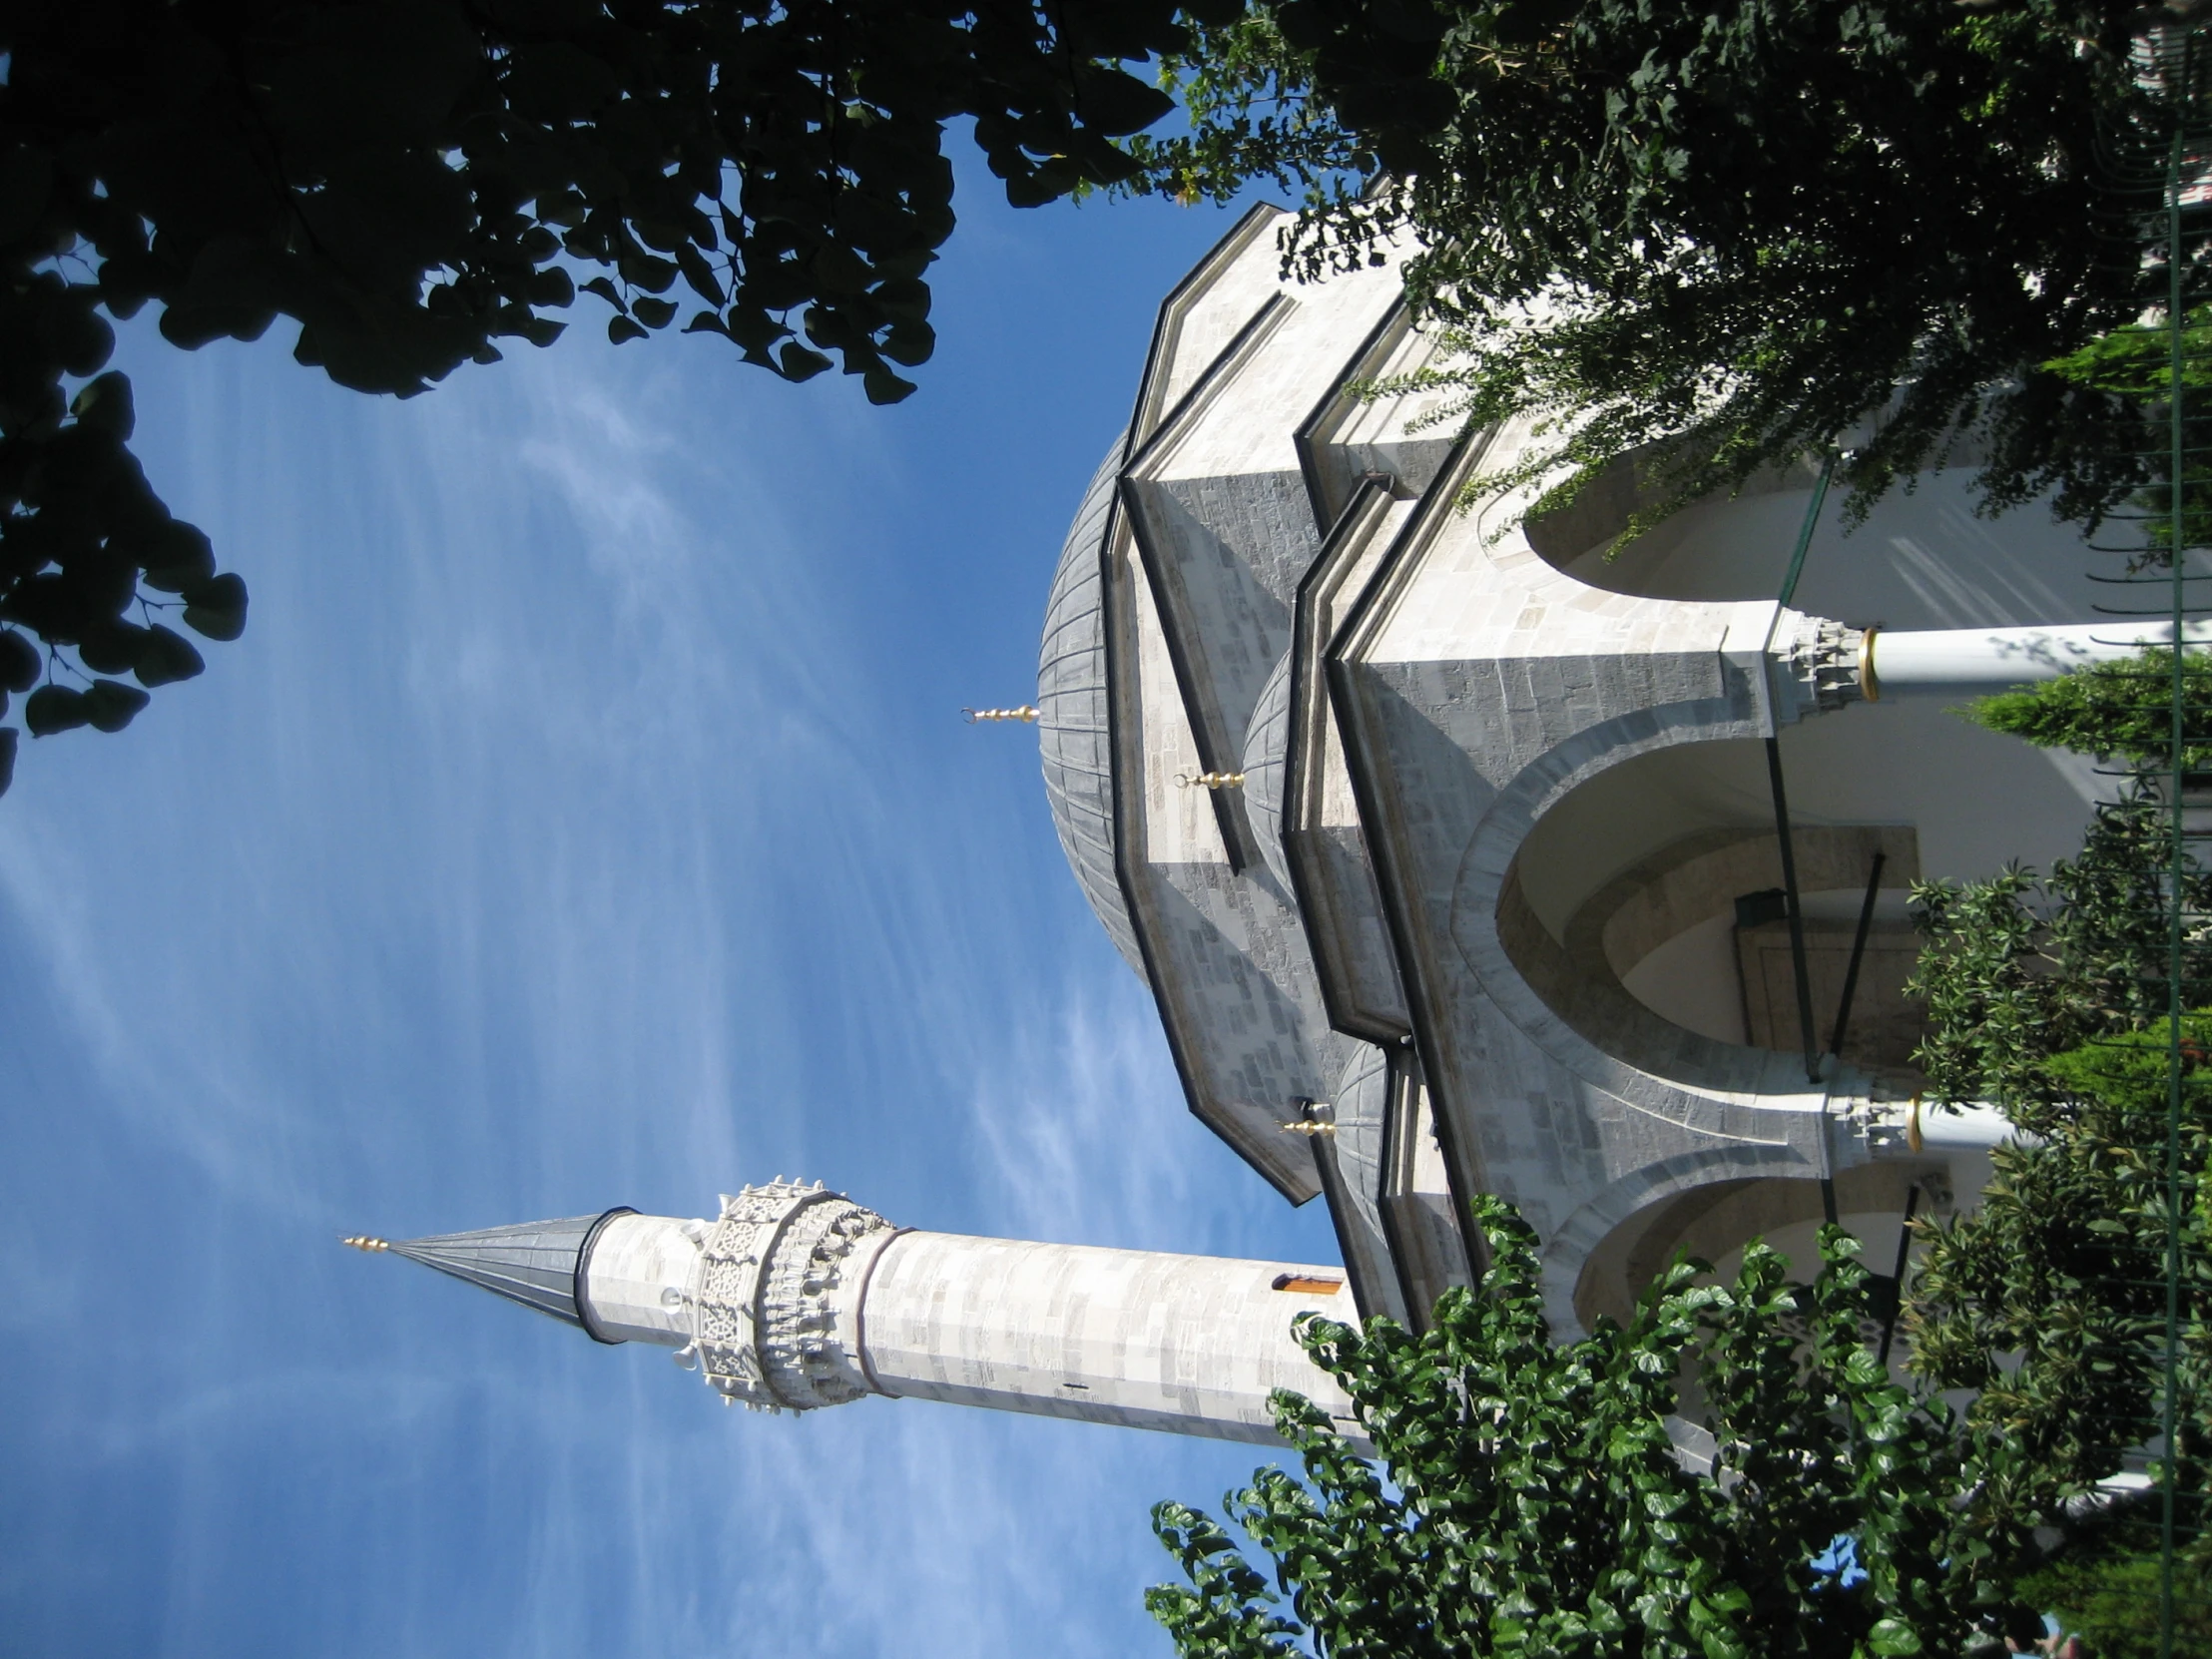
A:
539, 1263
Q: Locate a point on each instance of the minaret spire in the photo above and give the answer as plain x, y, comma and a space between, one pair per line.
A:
539, 1263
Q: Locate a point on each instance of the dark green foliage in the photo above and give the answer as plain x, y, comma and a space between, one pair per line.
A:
415, 181
2050, 999
1530, 1500
2050, 1299
88, 552
1745, 231
2109, 1598
2134, 366
2018, 968
2121, 708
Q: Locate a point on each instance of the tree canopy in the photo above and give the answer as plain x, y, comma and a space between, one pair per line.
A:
1740, 230
1532, 1501
414, 183
2047, 996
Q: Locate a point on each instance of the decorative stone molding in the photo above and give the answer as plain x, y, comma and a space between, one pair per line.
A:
769, 1324
1821, 662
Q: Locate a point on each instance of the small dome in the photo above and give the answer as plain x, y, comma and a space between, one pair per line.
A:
1266, 776
1361, 1108
1072, 730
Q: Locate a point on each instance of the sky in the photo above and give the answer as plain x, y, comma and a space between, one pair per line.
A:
585, 819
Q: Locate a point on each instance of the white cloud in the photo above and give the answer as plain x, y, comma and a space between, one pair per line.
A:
564, 832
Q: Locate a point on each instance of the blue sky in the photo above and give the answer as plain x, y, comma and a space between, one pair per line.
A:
585, 819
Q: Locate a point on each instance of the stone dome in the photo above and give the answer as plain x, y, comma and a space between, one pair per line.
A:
1361, 1109
1072, 732
1266, 746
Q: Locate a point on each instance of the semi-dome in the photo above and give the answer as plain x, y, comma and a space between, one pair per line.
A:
1073, 737
1266, 746
1361, 1109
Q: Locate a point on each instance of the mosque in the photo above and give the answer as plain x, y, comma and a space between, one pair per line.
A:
1460, 854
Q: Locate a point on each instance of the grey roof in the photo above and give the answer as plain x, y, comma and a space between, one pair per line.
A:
536, 1263
1072, 736
1266, 746
1361, 1108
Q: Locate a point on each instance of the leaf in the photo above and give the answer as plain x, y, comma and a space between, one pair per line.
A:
645, 271
1115, 103
882, 386
53, 709
1893, 1637
175, 555
701, 275
654, 314
7, 757
20, 663
26, 186
605, 289
216, 607
113, 649
110, 704
752, 329
796, 362
104, 405
166, 657
909, 341
551, 288
557, 80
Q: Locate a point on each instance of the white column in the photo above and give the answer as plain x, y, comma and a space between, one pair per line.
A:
1959, 662
1188, 1344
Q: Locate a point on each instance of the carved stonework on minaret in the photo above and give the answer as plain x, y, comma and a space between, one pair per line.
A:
767, 1309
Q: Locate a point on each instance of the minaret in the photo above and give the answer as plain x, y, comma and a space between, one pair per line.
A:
795, 1298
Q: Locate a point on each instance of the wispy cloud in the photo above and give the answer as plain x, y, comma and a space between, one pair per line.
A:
576, 823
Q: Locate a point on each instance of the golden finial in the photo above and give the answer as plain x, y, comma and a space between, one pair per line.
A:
361, 1241
1310, 1121
1209, 780
1025, 713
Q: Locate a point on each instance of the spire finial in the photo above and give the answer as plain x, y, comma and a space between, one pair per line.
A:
1210, 781
1027, 713
537, 1264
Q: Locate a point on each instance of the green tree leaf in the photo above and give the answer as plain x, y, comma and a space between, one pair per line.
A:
166, 657
110, 704
20, 664
105, 405
53, 709
217, 607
